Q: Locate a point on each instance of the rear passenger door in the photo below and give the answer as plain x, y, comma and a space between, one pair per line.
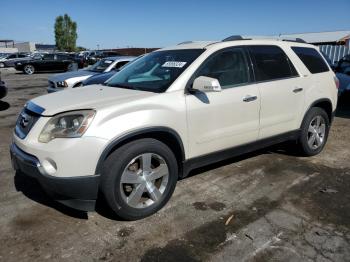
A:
281, 90
221, 120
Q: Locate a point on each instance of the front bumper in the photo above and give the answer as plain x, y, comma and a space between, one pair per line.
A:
76, 192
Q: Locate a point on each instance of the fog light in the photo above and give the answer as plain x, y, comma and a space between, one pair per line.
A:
49, 167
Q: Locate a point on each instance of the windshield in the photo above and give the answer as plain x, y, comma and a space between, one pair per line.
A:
156, 71
101, 65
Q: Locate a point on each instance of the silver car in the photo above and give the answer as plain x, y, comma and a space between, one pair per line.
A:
74, 79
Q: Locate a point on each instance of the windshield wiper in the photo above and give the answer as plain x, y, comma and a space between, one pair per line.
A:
123, 86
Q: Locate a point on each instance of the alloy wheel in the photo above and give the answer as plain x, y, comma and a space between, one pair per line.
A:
29, 69
144, 180
316, 132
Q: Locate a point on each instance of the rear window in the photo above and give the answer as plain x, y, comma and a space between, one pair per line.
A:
271, 63
311, 59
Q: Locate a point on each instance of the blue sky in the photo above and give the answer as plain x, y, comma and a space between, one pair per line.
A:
158, 23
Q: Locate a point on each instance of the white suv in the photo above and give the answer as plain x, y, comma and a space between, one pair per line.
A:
169, 112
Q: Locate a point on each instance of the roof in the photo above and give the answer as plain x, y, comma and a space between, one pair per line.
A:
190, 45
223, 44
320, 37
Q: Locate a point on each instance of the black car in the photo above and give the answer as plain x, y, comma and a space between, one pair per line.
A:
49, 62
12, 62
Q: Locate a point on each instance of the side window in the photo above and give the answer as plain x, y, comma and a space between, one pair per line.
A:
311, 59
49, 57
230, 67
61, 57
271, 63
120, 64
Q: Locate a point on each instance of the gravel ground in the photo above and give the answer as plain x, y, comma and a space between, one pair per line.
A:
265, 206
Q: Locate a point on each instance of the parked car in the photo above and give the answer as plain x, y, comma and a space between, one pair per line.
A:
171, 111
343, 74
74, 79
49, 62
3, 89
9, 60
12, 62
103, 77
92, 59
343, 64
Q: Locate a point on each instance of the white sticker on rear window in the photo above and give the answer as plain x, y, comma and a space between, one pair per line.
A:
174, 64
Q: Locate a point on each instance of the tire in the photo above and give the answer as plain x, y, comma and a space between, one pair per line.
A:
29, 69
312, 140
142, 196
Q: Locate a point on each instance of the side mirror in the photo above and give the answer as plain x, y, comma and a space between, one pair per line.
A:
206, 84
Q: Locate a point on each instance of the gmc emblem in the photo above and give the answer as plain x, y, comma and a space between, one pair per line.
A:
24, 120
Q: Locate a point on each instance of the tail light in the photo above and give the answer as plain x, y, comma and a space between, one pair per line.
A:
336, 81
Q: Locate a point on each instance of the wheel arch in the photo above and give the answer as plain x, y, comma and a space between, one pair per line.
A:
164, 134
77, 84
325, 104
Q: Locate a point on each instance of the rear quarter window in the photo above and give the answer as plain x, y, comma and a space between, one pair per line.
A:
311, 59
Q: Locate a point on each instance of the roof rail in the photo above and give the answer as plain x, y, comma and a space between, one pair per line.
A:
297, 40
233, 38
239, 37
186, 42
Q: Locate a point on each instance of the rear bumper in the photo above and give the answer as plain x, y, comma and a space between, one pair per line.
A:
76, 192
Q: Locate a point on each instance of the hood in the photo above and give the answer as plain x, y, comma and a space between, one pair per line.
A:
72, 74
92, 97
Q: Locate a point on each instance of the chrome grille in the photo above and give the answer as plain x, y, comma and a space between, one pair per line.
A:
26, 120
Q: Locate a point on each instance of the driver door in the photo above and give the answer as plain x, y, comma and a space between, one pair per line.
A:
221, 120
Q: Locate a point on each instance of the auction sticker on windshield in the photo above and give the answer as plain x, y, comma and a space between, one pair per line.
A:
174, 64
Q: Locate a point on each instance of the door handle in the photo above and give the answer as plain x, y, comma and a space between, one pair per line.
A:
249, 98
297, 90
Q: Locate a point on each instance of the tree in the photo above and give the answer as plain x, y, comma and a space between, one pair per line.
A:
65, 33
80, 48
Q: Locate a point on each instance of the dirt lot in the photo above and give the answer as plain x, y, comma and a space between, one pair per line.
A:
265, 206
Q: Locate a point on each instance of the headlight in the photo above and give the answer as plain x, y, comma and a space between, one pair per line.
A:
67, 125
18, 63
62, 84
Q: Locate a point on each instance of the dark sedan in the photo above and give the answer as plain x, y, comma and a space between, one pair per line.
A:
49, 62
21, 58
